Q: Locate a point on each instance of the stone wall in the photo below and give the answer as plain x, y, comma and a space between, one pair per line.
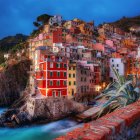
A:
122, 124
52, 108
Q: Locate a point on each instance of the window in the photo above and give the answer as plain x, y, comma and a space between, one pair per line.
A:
72, 92
65, 83
74, 82
81, 79
74, 75
85, 72
65, 65
61, 65
58, 74
82, 89
58, 83
73, 68
49, 58
81, 72
69, 68
65, 74
117, 70
59, 93
51, 65
69, 75
113, 65
51, 74
57, 65
69, 83
112, 60
117, 65
85, 79
54, 94
51, 83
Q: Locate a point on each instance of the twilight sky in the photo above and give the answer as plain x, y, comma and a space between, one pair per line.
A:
17, 16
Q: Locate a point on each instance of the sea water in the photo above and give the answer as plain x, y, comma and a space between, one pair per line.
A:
41, 132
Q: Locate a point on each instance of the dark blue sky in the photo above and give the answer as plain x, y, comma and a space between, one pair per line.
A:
16, 16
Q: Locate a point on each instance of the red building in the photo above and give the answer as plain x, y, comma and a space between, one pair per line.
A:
51, 74
97, 77
57, 35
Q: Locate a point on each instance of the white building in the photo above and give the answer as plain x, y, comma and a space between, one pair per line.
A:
138, 52
6, 56
119, 65
55, 20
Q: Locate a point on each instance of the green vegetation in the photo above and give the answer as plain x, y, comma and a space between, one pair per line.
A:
42, 19
39, 23
119, 94
3, 64
13, 43
2, 60
16, 48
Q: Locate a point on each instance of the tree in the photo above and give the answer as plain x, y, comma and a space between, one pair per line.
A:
2, 60
36, 24
40, 22
43, 19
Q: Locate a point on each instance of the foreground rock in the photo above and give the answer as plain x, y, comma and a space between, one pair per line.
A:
36, 110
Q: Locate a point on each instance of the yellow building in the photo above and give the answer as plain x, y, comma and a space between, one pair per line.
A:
71, 80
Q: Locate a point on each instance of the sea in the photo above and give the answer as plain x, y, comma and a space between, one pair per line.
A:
48, 131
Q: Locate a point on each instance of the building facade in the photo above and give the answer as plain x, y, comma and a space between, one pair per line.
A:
118, 64
51, 74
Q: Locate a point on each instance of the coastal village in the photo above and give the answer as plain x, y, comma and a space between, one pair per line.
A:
81, 72
74, 57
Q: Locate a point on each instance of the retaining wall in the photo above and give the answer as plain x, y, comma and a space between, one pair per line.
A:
122, 124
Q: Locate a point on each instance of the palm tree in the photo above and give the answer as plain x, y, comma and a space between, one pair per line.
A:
119, 93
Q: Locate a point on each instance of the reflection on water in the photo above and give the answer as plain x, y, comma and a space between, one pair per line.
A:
42, 132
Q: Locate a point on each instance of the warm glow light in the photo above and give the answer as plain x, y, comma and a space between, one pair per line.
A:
47, 90
104, 84
98, 88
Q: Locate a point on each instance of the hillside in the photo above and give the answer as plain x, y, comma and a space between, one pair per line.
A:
125, 23
14, 70
12, 42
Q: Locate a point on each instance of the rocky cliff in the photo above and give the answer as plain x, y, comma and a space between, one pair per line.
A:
36, 110
13, 81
